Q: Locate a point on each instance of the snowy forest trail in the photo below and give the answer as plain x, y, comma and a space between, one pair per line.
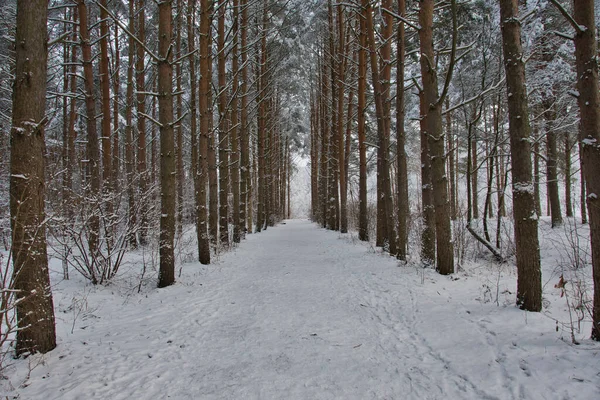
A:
298, 312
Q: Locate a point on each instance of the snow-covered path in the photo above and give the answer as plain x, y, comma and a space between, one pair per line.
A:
297, 312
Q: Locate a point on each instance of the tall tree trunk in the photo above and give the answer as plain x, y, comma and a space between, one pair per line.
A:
589, 135
235, 139
323, 185
213, 180
35, 308
363, 222
340, 128
129, 142
314, 156
243, 131
93, 146
529, 282
402, 173
223, 129
381, 91
180, 176
116, 159
166, 274
205, 111
143, 195
105, 90
262, 123
435, 134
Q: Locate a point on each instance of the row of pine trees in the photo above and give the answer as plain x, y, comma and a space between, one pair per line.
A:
359, 46
170, 114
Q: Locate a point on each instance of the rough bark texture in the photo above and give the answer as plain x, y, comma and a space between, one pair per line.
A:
205, 118
243, 131
105, 91
35, 309
92, 146
402, 168
223, 130
589, 134
141, 126
129, 142
529, 284
381, 92
340, 128
235, 140
166, 274
437, 148
363, 222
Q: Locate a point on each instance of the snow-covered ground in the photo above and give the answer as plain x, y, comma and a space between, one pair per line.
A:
297, 312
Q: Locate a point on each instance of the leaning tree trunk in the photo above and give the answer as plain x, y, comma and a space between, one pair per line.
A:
35, 308
166, 274
529, 276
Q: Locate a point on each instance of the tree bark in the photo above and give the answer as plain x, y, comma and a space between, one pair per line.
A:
529, 284
166, 274
205, 111
223, 129
381, 91
589, 134
435, 134
142, 170
129, 142
35, 308
402, 173
93, 146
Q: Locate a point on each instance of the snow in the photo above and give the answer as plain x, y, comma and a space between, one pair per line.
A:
298, 312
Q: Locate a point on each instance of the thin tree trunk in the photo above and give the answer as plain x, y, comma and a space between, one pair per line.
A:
243, 131
402, 173
93, 146
180, 177
342, 55
203, 142
142, 171
568, 181
168, 180
551, 164
223, 129
235, 140
363, 222
129, 142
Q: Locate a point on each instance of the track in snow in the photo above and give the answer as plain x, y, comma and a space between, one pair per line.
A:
293, 313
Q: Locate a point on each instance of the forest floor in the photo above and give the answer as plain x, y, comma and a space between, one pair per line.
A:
298, 312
